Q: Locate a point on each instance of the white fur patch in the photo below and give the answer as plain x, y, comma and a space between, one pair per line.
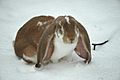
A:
62, 49
33, 58
39, 23
67, 19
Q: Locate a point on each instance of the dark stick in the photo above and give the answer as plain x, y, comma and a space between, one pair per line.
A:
96, 44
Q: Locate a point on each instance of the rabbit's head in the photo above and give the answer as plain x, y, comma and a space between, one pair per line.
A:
66, 29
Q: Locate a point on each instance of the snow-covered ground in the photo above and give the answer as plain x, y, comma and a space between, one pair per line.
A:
101, 18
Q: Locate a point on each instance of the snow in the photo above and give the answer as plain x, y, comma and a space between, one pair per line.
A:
101, 19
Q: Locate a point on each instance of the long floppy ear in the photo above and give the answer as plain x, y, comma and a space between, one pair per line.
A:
44, 44
83, 48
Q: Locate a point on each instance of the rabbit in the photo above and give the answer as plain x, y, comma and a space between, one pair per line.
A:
55, 40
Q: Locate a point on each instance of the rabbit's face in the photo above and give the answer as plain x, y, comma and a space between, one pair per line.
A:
67, 30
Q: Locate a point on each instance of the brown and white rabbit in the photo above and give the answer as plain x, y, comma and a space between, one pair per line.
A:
53, 40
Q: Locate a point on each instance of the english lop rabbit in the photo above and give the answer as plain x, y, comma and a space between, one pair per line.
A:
51, 40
